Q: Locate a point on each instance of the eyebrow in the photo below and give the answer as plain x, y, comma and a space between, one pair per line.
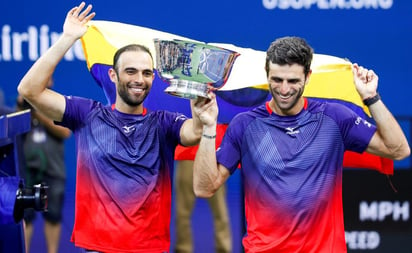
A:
274, 78
135, 69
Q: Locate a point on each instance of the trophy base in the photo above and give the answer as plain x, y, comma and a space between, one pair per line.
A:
187, 89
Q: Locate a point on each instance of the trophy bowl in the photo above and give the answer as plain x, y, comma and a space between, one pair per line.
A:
191, 68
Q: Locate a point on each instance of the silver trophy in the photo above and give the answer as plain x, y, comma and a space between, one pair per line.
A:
190, 68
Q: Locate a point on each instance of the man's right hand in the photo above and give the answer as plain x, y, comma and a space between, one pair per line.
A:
75, 24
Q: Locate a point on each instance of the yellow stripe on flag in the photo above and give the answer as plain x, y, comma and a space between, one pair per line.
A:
96, 48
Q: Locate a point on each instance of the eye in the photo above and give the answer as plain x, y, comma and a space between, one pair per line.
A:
277, 80
148, 73
131, 71
294, 81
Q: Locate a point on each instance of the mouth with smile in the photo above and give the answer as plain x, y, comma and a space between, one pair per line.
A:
286, 97
136, 90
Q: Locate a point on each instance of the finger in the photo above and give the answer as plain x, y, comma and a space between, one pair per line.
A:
204, 108
357, 70
85, 12
71, 12
361, 70
78, 9
202, 102
362, 74
368, 76
355, 67
211, 94
210, 88
91, 15
199, 101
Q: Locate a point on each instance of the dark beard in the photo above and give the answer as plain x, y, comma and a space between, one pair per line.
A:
127, 98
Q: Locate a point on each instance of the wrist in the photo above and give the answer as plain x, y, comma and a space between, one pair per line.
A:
209, 132
68, 39
207, 136
372, 100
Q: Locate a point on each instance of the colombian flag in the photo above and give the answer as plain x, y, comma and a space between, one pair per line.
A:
331, 79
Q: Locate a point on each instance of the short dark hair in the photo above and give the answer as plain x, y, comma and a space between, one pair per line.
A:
289, 50
130, 47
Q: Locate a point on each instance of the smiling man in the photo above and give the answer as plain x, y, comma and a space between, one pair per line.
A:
125, 153
291, 153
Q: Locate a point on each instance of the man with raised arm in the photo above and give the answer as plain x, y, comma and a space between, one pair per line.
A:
124, 153
291, 155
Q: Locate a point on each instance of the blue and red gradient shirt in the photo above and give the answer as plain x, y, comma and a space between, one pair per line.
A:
292, 174
124, 170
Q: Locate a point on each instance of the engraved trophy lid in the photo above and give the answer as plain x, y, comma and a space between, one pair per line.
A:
191, 67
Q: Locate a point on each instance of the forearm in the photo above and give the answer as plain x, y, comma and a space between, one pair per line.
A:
33, 86
389, 131
36, 79
190, 134
205, 171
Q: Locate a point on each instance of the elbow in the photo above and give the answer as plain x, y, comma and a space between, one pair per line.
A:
399, 152
20, 89
403, 153
66, 133
27, 90
23, 90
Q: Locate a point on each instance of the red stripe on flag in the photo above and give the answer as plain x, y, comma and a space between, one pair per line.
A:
368, 161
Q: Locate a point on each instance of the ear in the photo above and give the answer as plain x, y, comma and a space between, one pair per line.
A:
112, 74
308, 77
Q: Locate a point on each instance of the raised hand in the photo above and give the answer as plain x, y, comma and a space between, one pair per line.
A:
366, 81
206, 109
75, 24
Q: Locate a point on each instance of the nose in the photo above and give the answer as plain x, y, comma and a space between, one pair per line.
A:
284, 87
138, 77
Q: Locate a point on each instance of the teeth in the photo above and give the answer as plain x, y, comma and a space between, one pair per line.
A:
137, 89
281, 96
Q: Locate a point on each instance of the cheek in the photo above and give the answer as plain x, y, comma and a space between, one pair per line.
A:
300, 90
149, 80
272, 85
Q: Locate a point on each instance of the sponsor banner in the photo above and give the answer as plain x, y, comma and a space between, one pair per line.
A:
377, 211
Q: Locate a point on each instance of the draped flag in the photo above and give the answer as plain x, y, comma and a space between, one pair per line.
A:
245, 88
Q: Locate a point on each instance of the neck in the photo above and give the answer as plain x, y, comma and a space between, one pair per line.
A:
124, 108
297, 108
